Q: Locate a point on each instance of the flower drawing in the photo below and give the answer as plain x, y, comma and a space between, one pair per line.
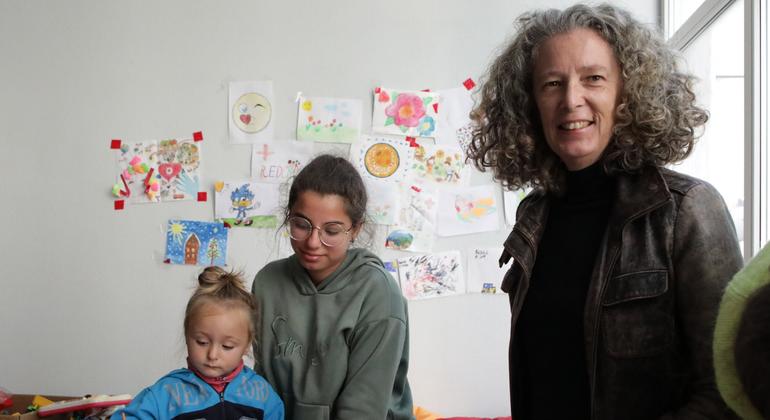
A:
407, 110
427, 125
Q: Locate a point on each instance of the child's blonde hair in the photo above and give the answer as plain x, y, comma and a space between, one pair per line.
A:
215, 285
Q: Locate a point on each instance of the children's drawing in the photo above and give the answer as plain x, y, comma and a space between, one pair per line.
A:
465, 210
464, 137
329, 119
416, 221
511, 200
429, 276
384, 202
440, 164
246, 204
408, 113
455, 105
196, 243
137, 167
179, 167
382, 159
250, 111
277, 161
484, 272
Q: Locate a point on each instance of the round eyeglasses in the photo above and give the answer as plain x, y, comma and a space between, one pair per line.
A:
330, 234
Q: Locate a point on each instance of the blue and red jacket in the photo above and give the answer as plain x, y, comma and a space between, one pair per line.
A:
183, 395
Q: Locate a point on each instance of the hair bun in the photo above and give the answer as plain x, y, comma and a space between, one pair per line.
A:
212, 276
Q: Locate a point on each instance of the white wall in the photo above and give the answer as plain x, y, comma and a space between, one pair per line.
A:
86, 306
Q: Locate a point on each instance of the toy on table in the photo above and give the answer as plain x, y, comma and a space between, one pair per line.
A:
86, 403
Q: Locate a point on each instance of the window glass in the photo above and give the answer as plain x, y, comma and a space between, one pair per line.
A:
715, 57
678, 12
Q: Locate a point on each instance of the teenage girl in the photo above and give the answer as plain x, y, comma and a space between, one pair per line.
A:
334, 337
219, 331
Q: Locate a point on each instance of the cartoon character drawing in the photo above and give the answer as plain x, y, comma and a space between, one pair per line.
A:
242, 199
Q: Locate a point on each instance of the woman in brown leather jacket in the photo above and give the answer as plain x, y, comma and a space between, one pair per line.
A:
617, 265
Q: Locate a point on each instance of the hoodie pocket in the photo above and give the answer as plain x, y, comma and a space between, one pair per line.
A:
637, 318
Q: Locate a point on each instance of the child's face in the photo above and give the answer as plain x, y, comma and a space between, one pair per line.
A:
318, 259
217, 339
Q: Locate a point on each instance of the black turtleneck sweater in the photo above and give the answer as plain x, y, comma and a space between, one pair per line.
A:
550, 326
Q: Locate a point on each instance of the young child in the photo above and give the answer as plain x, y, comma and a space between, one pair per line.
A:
335, 334
219, 331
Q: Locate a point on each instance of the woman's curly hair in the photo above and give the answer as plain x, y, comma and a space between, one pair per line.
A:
655, 119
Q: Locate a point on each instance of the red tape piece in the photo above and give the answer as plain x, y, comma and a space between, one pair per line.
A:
202, 196
377, 89
115, 144
469, 83
412, 141
198, 136
435, 108
119, 204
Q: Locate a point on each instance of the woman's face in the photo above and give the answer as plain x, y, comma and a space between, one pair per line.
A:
576, 84
318, 259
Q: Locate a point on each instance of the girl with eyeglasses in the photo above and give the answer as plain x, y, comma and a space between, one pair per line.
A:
334, 338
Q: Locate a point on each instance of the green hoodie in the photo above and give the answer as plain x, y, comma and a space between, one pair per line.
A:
337, 350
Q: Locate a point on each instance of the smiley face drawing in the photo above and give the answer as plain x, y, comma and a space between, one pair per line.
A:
252, 112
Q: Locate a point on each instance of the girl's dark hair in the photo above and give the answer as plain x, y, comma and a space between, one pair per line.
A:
215, 285
655, 119
327, 174
752, 350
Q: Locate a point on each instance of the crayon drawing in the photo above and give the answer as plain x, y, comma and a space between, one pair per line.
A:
196, 243
276, 162
384, 202
382, 159
465, 210
246, 204
484, 272
415, 227
430, 276
250, 111
407, 113
455, 105
329, 119
179, 167
440, 164
137, 167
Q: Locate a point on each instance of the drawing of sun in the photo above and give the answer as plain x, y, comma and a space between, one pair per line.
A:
252, 112
177, 231
381, 160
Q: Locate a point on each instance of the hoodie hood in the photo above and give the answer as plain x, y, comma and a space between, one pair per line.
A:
337, 280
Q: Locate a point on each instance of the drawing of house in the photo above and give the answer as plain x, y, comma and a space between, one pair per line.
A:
191, 247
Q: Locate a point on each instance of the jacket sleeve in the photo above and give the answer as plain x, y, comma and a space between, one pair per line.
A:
705, 256
143, 407
376, 386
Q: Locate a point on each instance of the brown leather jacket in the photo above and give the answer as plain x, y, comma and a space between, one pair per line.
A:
669, 250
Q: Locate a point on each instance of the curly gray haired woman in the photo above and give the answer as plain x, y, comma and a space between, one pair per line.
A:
656, 117
617, 263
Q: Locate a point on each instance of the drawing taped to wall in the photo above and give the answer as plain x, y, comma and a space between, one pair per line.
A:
408, 113
196, 243
466, 210
246, 204
329, 119
382, 159
430, 276
440, 164
484, 272
277, 161
250, 111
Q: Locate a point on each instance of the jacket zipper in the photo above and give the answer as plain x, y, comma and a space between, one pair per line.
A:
601, 297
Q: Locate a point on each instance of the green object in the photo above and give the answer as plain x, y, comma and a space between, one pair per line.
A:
32, 407
342, 344
743, 284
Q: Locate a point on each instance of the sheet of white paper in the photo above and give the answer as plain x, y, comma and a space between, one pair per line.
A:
440, 164
250, 111
455, 107
465, 210
430, 276
511, 200
384, 202
415, 229
403, 112
275, 162
246, 203
334, 120
484, 273
382, 159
